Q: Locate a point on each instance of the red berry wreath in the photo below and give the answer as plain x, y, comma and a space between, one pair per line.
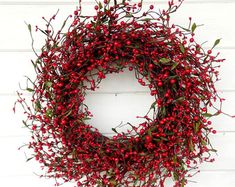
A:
179, 74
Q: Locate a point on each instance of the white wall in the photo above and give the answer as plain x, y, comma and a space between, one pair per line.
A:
15, 54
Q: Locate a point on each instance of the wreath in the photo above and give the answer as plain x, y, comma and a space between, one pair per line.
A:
179, 73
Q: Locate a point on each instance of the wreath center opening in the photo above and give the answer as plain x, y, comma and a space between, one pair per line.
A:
119, 103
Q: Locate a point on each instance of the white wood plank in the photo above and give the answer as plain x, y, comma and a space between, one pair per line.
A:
224, 160
11, 122
15, 25
13, 161
213, 179
14, 68
226, 75
29, 181
204, 179
216, 25
223, 122
100, 102
123, 107
16, 65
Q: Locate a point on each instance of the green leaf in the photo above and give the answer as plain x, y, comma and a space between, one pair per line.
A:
133, 47
213, 150
113, 182
196, 126
170, 133
149, 76
30, 89
30, 28
25, 124
86, 118
216, 43
182, 48
128, 15
175, 159
28, 159
114, 130
194, 26
163, 138
174, 65
100, 5
153, 105
176, 177
191, 145
34, 64
37, 105
208, 115
203, 142
146, 19
183, 183
136, 179
165, 60
156, 63
150, 133
49, 113
163, 111
180, 99
173, 77
89, 160
48, 84
156, 139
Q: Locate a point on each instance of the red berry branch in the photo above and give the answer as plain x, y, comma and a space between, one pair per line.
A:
179, 73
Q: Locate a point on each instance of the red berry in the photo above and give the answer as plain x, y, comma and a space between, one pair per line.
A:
96, 7
151, 7
214, 132
159, 84
128, 43
148, 138
150, 66
191, 40
172, 81
142, 131
167, 95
